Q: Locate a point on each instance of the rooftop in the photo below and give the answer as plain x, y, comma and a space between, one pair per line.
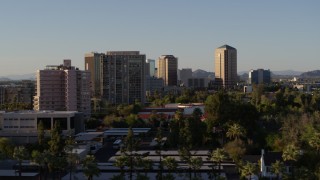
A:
226, 47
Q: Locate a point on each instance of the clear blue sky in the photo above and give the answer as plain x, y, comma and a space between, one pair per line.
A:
275, 35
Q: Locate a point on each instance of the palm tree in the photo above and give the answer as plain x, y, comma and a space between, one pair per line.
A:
235, 131
277, 168
90, 167
185, 155
195, 163
290, 153
121, 162
248, 170
170, 163
218, 156
20, 153
159, 148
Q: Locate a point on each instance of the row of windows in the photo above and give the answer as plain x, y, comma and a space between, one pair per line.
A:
27, 126
11, 119
11, 126
27, 119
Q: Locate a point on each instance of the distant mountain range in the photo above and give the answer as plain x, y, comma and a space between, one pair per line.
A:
31, 76
287, 73
199, 73
281, 73
310, 74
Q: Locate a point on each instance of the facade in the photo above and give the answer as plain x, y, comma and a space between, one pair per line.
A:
247, 89
185, 74
259, 76
123, 77
2, 95
198, 82
152, 67
167, 69
17, 92
154, 84
63, 88
93, 64
22, 126
226, 66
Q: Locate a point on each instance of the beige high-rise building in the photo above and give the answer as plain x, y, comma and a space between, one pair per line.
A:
93, 63
167, 69
63, 88
226, 66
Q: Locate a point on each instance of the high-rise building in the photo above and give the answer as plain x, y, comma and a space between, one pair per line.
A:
185, 74
123, 77
63, 88
226, 66
167, 69
93, 63
152, 67
17, 92
154, 84
259, 76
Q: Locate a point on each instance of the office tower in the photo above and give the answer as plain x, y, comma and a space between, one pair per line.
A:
152, 67
185, 74
226, 66
167, 69
123, 77
63, 88
198, 82
259, 76
93, 64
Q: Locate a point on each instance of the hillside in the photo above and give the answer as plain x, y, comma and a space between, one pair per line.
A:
199, 73
311, 74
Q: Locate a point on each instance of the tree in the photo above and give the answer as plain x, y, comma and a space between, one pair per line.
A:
170, 163
90, 167
159, 148
56, 159
38, 158
55, 143
290, 153
173, 138
314, 142
218, 156
6, 147
218, 108
235, 149
145, 163
235, 131
130, 145
277, 168
121, 162
185, 155
20, 153
41, 133
195, 163
248, 169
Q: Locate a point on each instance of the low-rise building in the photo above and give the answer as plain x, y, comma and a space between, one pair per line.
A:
22, 126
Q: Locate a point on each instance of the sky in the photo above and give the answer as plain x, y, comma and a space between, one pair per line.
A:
275, 35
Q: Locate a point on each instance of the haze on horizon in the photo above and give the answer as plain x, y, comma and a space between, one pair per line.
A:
275, 35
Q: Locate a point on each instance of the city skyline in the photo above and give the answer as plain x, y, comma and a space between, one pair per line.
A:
269, 35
